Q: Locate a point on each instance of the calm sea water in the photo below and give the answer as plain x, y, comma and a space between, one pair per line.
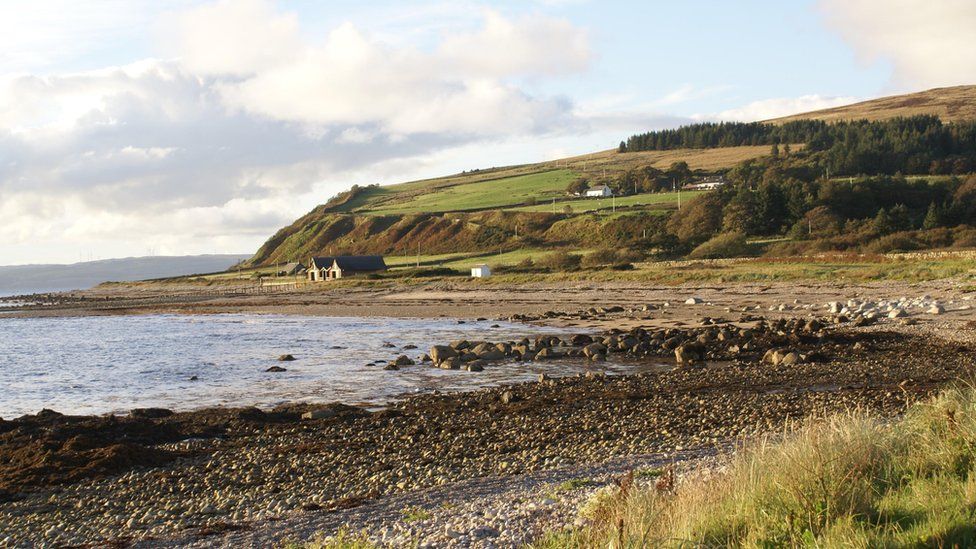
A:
92, 365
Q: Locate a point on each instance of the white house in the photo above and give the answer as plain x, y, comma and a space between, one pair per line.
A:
480, 271
707, 184
599, 191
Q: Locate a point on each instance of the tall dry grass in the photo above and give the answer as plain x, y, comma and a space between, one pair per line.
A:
845, 481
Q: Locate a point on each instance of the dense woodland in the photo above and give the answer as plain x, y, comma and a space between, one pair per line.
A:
778, 196
915, 145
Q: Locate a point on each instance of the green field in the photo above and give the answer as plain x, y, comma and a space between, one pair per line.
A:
581, 205
408, 261
481, 195
463, 262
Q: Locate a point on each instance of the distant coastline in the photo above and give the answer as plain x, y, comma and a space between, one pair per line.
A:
20, 280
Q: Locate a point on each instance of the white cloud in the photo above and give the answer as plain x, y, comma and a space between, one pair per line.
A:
238, 37
461, 88
930, 43
534, 45
766, 109
252, 124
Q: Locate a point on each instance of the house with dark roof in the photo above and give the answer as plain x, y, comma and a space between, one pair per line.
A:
333, 267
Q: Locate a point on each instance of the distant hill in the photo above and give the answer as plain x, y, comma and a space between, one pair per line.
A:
494, 208
514, 207
25, 279
950, 104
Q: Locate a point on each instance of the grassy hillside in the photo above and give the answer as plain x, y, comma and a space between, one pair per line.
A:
480, 195
522, 184
950, 104
503, 209
497, 209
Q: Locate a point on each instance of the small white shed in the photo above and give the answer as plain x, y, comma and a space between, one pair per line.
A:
480, 271
599, 191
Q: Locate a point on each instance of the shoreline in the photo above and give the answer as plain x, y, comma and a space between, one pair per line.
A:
235, 476
219, 471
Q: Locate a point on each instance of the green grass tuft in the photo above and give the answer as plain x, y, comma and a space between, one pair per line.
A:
343, 539
416, 514
575, 484
648, 473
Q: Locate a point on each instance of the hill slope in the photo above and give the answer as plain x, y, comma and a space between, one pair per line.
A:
950, 104
527, 206
496, 209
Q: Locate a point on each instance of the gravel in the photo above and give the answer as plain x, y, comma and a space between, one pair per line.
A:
486, 512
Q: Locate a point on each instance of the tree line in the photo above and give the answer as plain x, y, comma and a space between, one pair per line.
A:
911, 145
769, 198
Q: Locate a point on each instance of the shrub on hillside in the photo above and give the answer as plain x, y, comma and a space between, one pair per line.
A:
789, 249
723, 245
524, 266
817, 223
898, 242
699, 220
965, 239
609, 257
560, 261
599, 258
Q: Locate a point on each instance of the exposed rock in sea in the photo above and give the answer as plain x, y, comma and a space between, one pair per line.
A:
690, 353
321, 413
150, 413
286, 358
440, 353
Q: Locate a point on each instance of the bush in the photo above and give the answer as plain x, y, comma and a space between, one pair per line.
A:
965, 239
524, 266
560, 261
699, 220
600, 258
898, 242
607, 257
789, 249
723, 245
422, 272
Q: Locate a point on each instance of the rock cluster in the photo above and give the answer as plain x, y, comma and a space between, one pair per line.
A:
866, 312
715, 339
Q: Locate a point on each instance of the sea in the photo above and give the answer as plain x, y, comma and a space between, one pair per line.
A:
112, 364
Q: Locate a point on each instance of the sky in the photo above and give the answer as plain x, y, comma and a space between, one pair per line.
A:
172, 127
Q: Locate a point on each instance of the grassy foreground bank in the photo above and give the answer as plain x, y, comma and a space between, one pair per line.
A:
844, 481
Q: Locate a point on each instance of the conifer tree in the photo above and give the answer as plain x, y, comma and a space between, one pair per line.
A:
933, 218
